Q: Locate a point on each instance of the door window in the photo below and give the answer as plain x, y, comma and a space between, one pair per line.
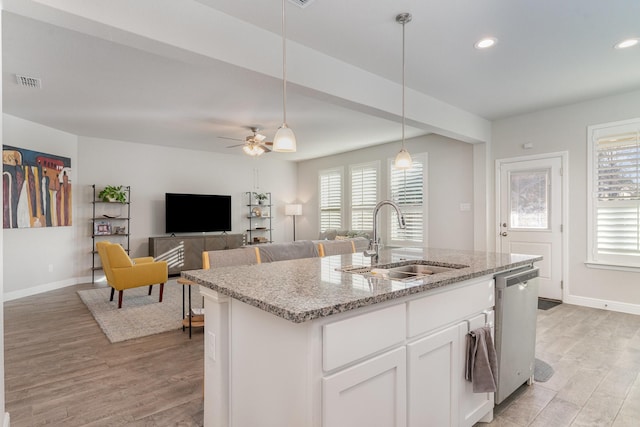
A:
529, 199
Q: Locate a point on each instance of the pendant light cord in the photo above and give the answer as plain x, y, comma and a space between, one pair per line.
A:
284, 64
403, 89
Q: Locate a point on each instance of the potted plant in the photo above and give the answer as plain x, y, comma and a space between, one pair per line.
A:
112, 193
260, 197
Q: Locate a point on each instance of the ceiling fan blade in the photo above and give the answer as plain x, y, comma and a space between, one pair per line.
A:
265, 148
258, 137
267, 143
234, 146
233, 139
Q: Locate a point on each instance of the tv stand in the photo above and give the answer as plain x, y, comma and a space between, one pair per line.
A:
185, 252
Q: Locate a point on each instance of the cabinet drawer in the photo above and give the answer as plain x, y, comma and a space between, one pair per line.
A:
359, 336
440, 309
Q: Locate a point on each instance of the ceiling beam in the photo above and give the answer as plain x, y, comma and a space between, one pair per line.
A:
193, 32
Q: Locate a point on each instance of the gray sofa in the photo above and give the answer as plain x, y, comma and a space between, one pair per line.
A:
270, 252
360, 237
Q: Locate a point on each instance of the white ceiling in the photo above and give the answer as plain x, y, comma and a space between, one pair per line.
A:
115, 81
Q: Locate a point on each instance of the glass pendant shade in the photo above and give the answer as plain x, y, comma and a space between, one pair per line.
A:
403, 160
285, 140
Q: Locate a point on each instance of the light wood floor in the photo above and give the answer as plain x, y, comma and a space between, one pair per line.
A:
61, 370
596, 358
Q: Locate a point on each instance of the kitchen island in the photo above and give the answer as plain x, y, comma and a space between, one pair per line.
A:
303, 343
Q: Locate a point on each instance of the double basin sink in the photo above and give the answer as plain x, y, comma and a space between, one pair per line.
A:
403, 270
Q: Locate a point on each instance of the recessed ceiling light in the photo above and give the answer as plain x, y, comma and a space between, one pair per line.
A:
626, 43
485, 43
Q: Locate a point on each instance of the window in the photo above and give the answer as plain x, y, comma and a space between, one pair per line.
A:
614, 202
364, 195
408, 190
330, 199
529, 201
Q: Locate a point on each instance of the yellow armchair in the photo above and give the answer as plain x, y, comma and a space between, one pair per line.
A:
123, 272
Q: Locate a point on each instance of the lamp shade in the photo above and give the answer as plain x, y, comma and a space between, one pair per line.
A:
403, 160
285, 140
294, 209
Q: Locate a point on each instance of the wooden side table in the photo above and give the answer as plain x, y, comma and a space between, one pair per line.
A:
190, 320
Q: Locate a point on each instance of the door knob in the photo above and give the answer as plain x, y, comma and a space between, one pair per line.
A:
504, 234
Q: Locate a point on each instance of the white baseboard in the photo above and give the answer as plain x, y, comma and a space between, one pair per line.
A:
621, 307
6, 421
9, 296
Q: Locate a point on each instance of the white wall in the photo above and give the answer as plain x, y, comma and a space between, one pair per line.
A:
40, 259
4, 417
152, 171
450, 181
565, 129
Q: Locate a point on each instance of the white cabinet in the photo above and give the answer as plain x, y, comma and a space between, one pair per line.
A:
395, 364
433, 380
372, 393
473, 406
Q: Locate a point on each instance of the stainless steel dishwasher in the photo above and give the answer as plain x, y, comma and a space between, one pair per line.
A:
515, 331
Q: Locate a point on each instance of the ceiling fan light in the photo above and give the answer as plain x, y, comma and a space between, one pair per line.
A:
403, 160
253, 150
285, 140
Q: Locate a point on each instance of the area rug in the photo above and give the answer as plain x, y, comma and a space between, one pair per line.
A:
141, 314
546, 304
542, 371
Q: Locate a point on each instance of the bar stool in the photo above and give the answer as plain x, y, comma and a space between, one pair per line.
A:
192, 321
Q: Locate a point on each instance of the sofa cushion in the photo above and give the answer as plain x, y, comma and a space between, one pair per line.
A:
328, 235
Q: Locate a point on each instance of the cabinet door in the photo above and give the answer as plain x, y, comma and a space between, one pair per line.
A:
181, 253
473, 406
222, 242
372, 393
434, 370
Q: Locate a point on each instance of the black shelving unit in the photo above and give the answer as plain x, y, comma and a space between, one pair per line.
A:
109, 221
260, 219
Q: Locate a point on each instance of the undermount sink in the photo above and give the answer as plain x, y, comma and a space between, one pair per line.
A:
403, 270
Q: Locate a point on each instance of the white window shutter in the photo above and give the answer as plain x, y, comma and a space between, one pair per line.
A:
407, 187
330, 199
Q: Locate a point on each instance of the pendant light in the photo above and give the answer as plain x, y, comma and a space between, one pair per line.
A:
403, 158
285, 140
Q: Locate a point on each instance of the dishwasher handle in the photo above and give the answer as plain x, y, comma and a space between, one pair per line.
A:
522, 278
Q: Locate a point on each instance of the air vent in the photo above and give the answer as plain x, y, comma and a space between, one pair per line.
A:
301, 3
31, 82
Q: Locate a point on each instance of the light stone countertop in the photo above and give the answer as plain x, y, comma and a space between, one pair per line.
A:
309, 288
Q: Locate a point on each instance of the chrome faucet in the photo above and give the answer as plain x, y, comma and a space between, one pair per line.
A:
374, 243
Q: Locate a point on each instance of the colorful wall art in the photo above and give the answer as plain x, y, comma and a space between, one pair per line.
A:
36, 189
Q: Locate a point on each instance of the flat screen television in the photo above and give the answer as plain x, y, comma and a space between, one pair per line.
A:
193, 213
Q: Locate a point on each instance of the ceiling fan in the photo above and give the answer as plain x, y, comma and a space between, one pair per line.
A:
254, 145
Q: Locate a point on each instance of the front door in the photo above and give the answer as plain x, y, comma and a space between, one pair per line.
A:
530, 216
